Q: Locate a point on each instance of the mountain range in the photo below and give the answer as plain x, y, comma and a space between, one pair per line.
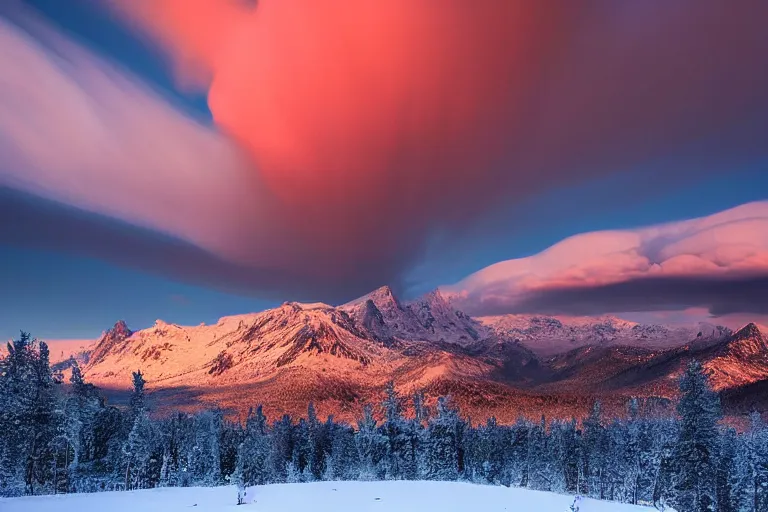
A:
341, 357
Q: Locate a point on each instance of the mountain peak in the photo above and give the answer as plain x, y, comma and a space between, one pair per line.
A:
436, 297
382, 297
383, 292
748, 331
747, 342
119, 331
115, 336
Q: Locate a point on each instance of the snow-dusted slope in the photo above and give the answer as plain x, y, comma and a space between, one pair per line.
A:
546, 335
390, 496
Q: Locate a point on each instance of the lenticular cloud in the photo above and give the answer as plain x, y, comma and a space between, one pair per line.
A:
719, 262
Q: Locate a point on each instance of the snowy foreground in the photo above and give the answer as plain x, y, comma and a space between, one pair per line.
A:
319, 497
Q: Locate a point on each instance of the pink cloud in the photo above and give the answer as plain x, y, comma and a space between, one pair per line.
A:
728, 245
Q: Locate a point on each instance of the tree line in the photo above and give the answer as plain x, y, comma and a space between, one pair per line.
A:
63, 439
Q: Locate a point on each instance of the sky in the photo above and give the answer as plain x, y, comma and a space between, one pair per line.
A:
186, 161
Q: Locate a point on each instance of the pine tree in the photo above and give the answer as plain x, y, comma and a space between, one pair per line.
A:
695, 455
594, 460
444, 443
138, 401
567, 464
725, 473
756, 478
30, 419
319, 444
281, 452
253, 466
343, 462
204, 457
401, 460
516, 467
371, 447
137, 453
137, 448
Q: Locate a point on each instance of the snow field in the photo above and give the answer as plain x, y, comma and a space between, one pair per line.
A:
388, 496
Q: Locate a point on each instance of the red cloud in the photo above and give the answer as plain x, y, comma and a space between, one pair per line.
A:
370, 122
373, 122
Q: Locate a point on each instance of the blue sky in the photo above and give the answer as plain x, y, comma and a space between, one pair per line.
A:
67, 294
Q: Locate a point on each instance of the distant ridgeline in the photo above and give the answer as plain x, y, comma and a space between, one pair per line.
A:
61, 439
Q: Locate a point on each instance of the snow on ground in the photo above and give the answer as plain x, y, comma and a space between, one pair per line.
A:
319, 497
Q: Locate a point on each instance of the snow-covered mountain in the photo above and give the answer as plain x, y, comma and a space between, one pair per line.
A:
733, 361
341, 357
546, 335
338, 357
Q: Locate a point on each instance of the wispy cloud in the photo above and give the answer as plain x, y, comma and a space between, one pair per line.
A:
78, 129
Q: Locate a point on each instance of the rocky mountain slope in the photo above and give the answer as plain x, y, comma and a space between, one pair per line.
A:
342, 357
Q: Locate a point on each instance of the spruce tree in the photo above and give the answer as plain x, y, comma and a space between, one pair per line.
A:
593, 464
756, 478
444, 443
695, 454
726, 472
253, 466
371, 446
137, 401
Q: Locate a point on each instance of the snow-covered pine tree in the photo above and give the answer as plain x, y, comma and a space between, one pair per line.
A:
302, 451
516, 467
137, 401
417, 432
253, 466
725, 473
319, 443
444, 443
371, 446
540, 457
138, 446
29, 419
205, 457
343, 462
593, 452
282, 447
81, 409
401, 460
137, 453
487, 453
566, 442
695, 454
15, 388
756, 444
